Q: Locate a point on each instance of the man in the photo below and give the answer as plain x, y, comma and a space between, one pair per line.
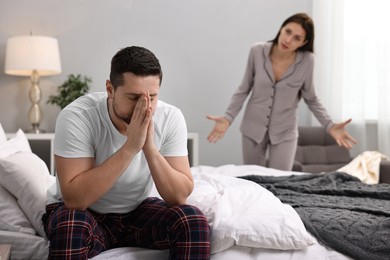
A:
109, 149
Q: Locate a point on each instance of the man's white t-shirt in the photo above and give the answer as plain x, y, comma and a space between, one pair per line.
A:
84, 129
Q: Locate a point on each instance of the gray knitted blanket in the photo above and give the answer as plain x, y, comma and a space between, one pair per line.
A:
343, 213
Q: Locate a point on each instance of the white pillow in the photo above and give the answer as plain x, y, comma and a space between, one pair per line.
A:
26, 176
243, 213
3, 137
18, 143
12, 217
25, 246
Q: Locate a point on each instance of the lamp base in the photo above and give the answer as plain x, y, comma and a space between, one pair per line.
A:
35, 130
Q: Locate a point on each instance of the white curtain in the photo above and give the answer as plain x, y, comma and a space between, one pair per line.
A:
352, 73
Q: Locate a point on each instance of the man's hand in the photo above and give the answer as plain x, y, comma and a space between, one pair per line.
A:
149, 142
138, 129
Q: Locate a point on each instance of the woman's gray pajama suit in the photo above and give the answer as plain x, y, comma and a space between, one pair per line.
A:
270, 117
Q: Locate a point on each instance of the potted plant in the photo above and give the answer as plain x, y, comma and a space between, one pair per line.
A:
74, 87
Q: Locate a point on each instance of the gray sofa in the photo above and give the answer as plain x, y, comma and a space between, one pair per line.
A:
318, 152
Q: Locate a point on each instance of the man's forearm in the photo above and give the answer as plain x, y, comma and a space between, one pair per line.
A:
172, 178
89, 185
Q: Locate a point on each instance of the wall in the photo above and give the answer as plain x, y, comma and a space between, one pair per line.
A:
202, 46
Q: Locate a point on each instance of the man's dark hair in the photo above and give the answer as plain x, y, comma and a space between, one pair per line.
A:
137, 60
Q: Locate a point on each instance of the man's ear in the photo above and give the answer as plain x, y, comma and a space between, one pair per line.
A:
109, 88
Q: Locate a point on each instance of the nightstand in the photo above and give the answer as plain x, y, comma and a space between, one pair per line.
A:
41, 145
5, 252
193, 148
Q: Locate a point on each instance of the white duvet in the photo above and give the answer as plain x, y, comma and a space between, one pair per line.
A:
248, 222
241, 212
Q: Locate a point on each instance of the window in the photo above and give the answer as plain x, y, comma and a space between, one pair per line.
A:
366, 57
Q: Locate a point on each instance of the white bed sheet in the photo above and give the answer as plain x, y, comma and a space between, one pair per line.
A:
25, 246
315, 251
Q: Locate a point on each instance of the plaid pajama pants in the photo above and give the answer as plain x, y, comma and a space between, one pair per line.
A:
82, 234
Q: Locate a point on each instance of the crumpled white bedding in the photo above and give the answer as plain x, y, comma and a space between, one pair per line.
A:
214, 190
248, 222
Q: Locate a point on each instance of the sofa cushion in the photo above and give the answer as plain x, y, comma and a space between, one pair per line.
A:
317, 151
315, 154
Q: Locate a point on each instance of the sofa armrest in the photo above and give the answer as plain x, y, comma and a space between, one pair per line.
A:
384, 172
297, 166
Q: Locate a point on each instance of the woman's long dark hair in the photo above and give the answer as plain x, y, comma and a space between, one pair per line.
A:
307, 24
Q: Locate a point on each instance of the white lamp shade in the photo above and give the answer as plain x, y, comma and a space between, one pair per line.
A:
24, 54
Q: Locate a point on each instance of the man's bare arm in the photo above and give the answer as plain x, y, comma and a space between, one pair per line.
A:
172, 177
82, 183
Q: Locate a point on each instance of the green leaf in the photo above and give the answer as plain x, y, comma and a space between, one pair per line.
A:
73, 87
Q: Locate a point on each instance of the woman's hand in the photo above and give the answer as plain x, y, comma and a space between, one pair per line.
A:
220, 128
338, 132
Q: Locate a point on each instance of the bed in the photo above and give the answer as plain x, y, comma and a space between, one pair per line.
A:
247, 206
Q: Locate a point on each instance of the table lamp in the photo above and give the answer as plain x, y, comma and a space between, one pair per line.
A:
33, 56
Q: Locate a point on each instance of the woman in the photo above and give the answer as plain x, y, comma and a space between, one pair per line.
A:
277, 75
